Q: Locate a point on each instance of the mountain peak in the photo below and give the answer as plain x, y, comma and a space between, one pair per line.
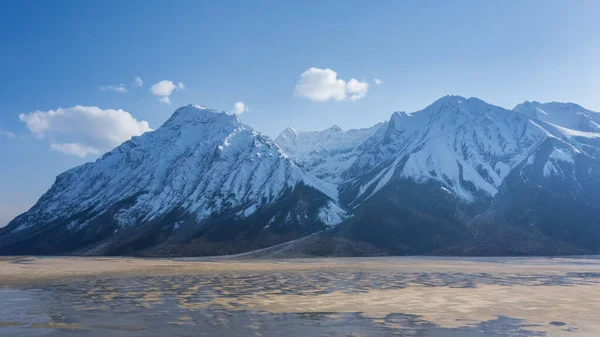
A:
564, 106
529, 108
399, 114
194, 114
449, 99
445, 103
192, 108
336, 128
288, 133
569, 115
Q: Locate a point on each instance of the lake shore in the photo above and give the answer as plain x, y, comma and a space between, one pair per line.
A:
434, 296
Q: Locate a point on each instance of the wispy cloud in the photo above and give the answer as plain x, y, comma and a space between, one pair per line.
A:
378, 81
323, 85
7, 134
137, 82
115, 88
164, 89
77, 149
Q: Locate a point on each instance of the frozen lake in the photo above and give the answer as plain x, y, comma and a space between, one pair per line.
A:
317, 297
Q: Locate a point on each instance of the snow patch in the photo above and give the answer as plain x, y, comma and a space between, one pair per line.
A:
502, 169
177, 225
250, 210
562, 156
332, 214
570, 133
363, 188
552, 166
386, 178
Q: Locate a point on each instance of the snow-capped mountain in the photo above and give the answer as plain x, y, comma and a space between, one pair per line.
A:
199, 166
465, 145
464, 177
569, 115
461, 176
326, 154
549, 204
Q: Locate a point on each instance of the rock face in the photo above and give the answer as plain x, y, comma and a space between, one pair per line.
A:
460, 177
203, 181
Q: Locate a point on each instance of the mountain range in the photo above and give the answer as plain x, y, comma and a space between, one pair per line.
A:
460, 177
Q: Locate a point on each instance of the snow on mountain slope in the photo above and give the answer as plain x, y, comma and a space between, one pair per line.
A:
556, 157
465, 177
327, 153
569, 149
466, 145
554, 192
201, 162
569, 115
460, 173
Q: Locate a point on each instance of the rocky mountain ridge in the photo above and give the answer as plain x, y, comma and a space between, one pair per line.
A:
459, 177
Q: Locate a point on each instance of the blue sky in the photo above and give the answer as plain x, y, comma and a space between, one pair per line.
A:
62, 55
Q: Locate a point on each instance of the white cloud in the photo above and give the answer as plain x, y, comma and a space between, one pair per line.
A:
239, 108
76, 149
84, 129
7, 134
137, 82
356, 90
164, 89
323, 85
378, 81
116, 88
